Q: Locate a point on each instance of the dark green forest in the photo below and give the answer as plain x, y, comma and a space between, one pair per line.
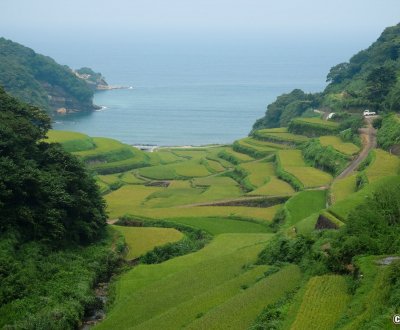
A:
53, 238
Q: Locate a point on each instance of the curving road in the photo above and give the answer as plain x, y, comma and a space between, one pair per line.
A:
368, 137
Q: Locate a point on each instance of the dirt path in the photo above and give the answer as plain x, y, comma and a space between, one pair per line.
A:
368, 137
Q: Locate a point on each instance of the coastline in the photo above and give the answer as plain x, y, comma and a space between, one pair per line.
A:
152, 148
110, 87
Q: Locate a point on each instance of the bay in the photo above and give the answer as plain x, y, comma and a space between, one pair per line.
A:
193, 92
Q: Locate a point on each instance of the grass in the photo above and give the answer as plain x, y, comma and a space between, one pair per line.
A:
143, 239
274, 187
383, 164
71, 141
337, 143
342, 188
304, 204
325, 299
152, 290
216, 226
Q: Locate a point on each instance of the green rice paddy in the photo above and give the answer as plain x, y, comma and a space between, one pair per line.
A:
337, 143
140, 240
216, 189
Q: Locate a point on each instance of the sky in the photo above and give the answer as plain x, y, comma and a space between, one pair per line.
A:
217, 18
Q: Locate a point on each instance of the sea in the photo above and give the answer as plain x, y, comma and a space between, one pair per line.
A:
193, 91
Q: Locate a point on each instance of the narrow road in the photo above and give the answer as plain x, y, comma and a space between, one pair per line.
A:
368, 137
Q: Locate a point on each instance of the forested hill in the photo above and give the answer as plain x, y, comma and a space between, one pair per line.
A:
39, 80
368, 80
53, 241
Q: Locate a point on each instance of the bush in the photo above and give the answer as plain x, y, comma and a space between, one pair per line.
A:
283, 249
389, 133
325, 158
45, 289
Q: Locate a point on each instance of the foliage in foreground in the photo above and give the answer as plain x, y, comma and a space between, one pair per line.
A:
45, 193
46, 289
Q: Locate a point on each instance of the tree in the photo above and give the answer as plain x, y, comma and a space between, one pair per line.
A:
338, 73
379, 83
45, 192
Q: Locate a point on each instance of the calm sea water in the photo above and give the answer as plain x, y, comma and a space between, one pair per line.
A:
192, 93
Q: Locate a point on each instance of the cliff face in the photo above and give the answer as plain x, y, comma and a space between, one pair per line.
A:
39, 80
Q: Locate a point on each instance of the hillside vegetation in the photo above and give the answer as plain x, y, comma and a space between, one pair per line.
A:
368, 80
53, 237
39, 80
283, 229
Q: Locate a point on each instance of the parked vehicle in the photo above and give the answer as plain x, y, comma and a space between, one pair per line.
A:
369, 113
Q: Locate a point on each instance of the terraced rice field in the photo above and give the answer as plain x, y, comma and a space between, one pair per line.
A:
323, 303
293, 163
264, 144
184, 290
185, 169
274, 187
216, 226
311, 177
279, 135
291, 158
252, 148
71, 141
219, 286
304, 204
318, 121
342, 188
140, 240
383, 164
337, 143
258, 172
342, 208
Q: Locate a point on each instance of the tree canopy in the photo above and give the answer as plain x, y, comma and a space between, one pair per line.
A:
45, 192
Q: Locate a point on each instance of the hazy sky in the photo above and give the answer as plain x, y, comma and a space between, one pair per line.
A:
180, 17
